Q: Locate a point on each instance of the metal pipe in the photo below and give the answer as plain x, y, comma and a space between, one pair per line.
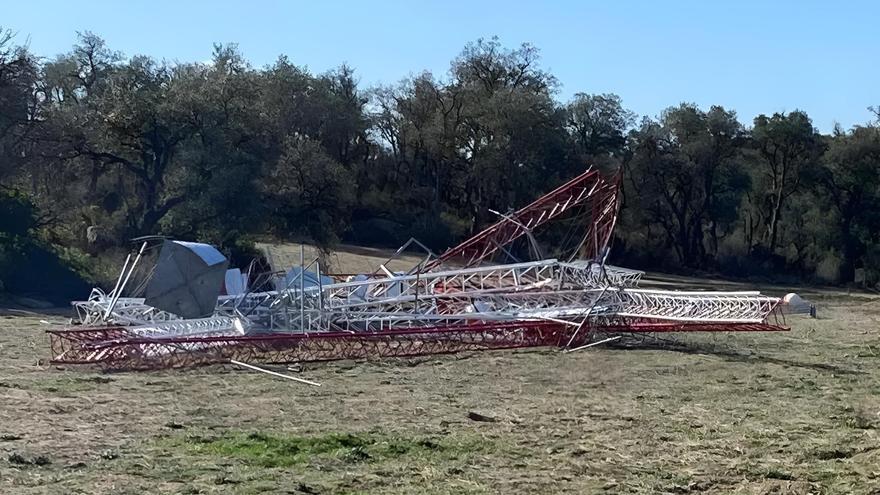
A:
592, 344
125, 282
280, 375
302, 287
121, 274
320, 295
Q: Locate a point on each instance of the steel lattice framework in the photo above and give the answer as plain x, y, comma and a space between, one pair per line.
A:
591, 274
113, 348
603, 194
546, 303
721, 307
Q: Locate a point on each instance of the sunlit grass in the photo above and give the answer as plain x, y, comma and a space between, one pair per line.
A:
274, 450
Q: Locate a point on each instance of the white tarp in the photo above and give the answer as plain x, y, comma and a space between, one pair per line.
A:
235, 283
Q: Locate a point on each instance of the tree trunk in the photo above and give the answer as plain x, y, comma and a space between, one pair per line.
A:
773, 232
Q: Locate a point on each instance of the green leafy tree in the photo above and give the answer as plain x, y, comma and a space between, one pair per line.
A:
310, 190
685, 177
481, 140
19, 103
598, 125
849, 180
787, 145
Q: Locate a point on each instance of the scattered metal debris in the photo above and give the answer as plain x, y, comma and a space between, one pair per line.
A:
449, 303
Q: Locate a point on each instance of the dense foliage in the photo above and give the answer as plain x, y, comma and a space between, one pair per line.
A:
97, 148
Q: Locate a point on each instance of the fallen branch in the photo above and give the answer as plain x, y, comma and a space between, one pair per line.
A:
475, 416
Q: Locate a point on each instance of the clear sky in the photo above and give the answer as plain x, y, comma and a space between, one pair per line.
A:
750, 56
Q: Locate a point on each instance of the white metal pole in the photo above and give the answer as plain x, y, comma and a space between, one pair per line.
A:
280, 375
125, 282
302, 287
320, 296
591, 345
121, 274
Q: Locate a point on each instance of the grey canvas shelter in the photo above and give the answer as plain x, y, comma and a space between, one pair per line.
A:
187, 279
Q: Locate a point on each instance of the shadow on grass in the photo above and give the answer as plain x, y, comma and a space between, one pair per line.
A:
735, 356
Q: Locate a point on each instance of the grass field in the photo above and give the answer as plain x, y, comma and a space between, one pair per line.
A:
795, 412
345, 259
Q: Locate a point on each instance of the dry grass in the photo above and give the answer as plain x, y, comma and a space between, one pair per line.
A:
774, 413
345, 259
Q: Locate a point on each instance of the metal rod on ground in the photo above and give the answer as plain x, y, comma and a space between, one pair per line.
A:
280, 375
125, 282
591, 345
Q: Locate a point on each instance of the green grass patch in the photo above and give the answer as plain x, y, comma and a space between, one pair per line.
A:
275, 450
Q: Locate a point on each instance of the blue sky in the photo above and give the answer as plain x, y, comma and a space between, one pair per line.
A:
750, 56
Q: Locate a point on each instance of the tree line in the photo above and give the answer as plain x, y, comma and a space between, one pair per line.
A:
97, 148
